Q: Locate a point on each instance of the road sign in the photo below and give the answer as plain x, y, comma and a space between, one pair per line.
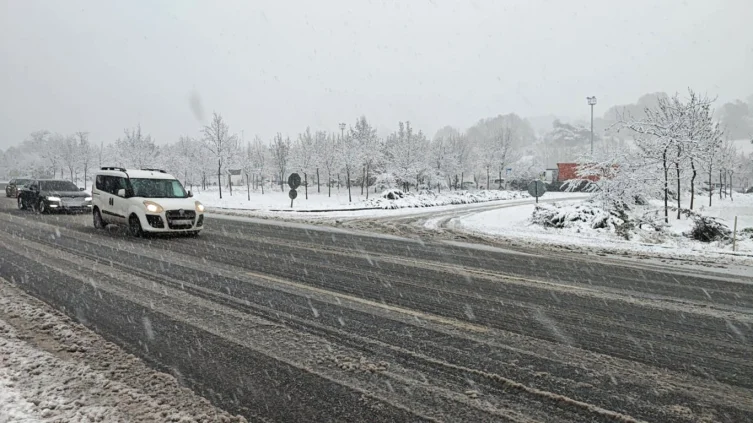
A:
294, 181
536, 189
292, 193
508, 171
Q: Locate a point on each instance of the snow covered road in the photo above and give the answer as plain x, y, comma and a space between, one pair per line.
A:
302, 323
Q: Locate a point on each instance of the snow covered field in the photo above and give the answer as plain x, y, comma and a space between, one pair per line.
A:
55, 370
515, 223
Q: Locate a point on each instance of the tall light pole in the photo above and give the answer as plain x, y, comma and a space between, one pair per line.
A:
342, 130
592, 102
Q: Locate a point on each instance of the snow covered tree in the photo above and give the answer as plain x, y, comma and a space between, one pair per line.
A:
259, 156
183, 158
406, 155
280, 152
69, 155
330, 157
676, 135
366, 140
136, 149
463, 157
302, 156
320, 150
350, 157
85, 153
222, 145
48, 146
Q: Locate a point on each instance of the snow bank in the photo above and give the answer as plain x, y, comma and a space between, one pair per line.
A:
273, 201
54, 370
582, 224
580, 216
395, 199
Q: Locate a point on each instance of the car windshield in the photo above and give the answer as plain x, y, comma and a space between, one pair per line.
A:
158, 188
58, 186
21, 182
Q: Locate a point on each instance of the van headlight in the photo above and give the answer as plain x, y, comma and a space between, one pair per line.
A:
199, 207
153, 207
53, 198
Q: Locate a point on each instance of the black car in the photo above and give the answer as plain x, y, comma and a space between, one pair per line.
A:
14, 186
47, 195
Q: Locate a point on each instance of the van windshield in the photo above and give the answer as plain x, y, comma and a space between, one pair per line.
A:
158, 188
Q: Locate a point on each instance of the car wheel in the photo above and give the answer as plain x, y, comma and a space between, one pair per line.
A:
134, 226
21, 205
98, 222
42, 207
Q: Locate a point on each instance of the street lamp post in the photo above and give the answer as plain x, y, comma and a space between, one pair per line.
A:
342, 138
592, 102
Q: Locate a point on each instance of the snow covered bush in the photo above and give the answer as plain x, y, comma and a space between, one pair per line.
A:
708, 229
582, 216
392, 194
396, 199
568, 216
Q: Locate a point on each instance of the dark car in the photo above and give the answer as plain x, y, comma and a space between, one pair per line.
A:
47, 195
14, 186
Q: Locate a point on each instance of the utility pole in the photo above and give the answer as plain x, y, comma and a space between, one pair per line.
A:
592, 103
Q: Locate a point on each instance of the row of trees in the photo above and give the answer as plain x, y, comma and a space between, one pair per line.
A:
355, 156
677, 144
663, 149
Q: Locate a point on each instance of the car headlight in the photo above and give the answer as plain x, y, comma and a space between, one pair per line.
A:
199, 207
153, 207
53, 198
87, 199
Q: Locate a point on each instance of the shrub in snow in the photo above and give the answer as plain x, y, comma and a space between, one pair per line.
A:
708, 229
396, 199
584, 215
393, 194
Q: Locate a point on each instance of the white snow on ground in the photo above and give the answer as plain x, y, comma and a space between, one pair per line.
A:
515, 222
276, 200
321, 208
53, 370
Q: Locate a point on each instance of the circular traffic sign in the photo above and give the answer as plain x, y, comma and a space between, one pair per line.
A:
294, 180
536, 189
292, 194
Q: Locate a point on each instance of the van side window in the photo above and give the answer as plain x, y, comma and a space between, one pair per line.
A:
101, 183
118, 184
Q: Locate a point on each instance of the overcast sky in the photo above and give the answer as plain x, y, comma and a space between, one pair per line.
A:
271, 66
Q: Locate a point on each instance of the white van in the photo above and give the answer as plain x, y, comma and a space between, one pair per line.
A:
144, 200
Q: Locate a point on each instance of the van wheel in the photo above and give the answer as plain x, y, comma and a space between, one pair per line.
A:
42, 207
134, 226
98, 222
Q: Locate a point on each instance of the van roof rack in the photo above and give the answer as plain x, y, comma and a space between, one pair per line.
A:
155, 170
113, 168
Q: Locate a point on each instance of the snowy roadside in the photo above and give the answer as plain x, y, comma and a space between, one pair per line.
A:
278, 202
333, 216
514, 223
55, 370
